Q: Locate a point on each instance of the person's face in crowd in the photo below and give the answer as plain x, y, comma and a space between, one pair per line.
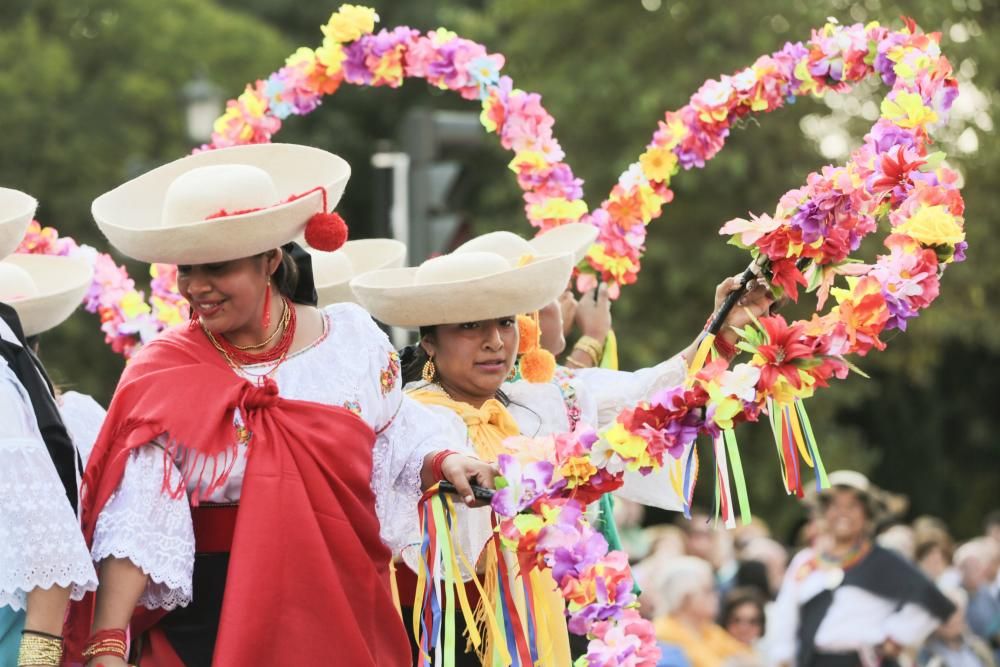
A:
746, 623
229, 296
845, 516
550, 321
934, 562
700, 539
473, 358
703, 603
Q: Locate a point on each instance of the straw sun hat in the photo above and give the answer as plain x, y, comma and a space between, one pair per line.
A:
332, 271
43, 289
16, 211
574, 238
221, 205
491, 276
881, 504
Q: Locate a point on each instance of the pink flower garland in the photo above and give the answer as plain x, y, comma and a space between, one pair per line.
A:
127, 320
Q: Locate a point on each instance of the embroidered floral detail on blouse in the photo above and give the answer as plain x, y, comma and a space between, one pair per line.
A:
390, 374
562, 379
242, 432
353, 406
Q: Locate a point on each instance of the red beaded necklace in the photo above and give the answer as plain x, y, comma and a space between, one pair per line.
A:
241, 357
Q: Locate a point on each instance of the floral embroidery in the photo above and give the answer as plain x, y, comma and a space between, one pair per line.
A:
354, 406
390, 373
562, 379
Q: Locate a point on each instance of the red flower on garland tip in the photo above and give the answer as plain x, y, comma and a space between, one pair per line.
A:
787, 276
786, 344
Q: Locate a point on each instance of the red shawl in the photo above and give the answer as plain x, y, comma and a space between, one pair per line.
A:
308, 573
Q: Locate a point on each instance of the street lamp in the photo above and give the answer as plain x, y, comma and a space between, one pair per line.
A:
203, 104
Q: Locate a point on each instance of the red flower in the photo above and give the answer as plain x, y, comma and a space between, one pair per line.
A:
787, 276
785, 345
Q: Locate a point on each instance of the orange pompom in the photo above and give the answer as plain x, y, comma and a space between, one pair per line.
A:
326, 231
538, 366
527, 331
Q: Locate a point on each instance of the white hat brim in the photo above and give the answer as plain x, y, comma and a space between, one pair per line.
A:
130, 215
364, 255
62, 283
573, 237
393, 297
16, 211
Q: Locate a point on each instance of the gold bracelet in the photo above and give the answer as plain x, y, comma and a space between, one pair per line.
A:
591, 347
38, 650
597, 345
570, 361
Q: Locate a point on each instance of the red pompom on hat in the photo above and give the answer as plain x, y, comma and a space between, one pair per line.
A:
326, 232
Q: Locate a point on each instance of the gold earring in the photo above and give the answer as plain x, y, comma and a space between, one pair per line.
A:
513, 373
429, 371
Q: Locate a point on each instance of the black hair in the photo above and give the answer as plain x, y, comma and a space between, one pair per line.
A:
738, 597
413, 357
286, 276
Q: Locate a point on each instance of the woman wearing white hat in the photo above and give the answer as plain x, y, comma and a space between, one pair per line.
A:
465, 305
43, 558
293, 415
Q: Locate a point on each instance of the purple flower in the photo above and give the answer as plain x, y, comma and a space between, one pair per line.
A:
525, 484
355, 68
960, 249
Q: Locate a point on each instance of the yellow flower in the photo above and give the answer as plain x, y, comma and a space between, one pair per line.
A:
726, 407
167, 313
531, 159
908, 111
628, 446
577, 470
933, 225
558, 208
618, 267
650, 202
331, 55
132, 305
349, 23
442, 36
658, 163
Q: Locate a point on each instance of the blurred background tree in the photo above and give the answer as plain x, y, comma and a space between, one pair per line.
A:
90, 95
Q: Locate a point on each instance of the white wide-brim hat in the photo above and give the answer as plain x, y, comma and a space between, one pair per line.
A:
16, 211
245, 190
43, 289
333, 271
462, 287
574, 238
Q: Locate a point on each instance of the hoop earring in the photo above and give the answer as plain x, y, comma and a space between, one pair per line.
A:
429, 371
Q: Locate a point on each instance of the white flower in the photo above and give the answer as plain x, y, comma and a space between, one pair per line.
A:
633, 177
740, 382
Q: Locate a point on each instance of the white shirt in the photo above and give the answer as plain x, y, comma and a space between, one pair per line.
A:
40, 540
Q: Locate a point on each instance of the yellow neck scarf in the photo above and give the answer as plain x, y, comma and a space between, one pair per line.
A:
488, 426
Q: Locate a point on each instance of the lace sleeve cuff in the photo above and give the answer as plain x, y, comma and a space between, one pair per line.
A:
151, 529
40, 540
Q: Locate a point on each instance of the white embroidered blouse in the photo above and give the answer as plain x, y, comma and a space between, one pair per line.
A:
352, 365
40, 540
593, 397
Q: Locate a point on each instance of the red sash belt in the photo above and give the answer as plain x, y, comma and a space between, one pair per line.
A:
213, 528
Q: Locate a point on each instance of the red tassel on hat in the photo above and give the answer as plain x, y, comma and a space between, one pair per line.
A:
326, 231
